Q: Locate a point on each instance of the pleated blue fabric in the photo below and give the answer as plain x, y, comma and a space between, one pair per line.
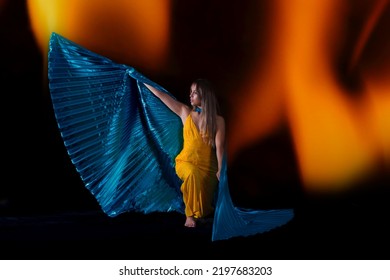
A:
231, 221
123, 141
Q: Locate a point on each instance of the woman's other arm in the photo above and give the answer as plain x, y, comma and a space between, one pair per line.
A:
220, 143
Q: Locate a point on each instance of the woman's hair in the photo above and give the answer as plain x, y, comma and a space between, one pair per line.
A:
210, 109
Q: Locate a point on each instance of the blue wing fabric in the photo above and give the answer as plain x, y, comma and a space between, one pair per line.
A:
231, 221
115, 130
123, 141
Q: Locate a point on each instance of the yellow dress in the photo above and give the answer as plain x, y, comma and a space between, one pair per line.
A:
196, 166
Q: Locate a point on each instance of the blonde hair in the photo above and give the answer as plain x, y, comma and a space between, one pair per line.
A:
210, 109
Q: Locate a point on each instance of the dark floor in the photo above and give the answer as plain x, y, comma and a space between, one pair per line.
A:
320, 230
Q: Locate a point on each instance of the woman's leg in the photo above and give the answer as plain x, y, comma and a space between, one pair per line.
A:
198, 191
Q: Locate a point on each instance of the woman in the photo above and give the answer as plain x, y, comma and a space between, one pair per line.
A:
128, 146
199, 163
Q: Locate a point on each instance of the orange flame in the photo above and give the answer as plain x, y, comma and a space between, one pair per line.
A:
338, 139
136, 32
341, 134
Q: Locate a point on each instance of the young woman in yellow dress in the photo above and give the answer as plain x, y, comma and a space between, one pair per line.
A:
199, 163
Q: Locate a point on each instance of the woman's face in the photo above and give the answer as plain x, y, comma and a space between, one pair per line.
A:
195, 96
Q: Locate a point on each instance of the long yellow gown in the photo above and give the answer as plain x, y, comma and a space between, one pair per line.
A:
196, 166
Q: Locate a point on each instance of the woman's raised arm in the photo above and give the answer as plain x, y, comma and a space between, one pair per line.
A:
177, 107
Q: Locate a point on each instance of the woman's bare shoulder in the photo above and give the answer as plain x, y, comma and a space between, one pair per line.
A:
220, 118
220, 121
185, 112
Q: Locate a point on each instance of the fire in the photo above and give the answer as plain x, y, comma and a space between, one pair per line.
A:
132, 31
314, 51
339, 138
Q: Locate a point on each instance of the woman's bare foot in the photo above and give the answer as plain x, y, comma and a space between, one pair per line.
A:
190, 222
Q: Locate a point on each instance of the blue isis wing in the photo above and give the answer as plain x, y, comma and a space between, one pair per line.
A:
121, 139
231, 221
